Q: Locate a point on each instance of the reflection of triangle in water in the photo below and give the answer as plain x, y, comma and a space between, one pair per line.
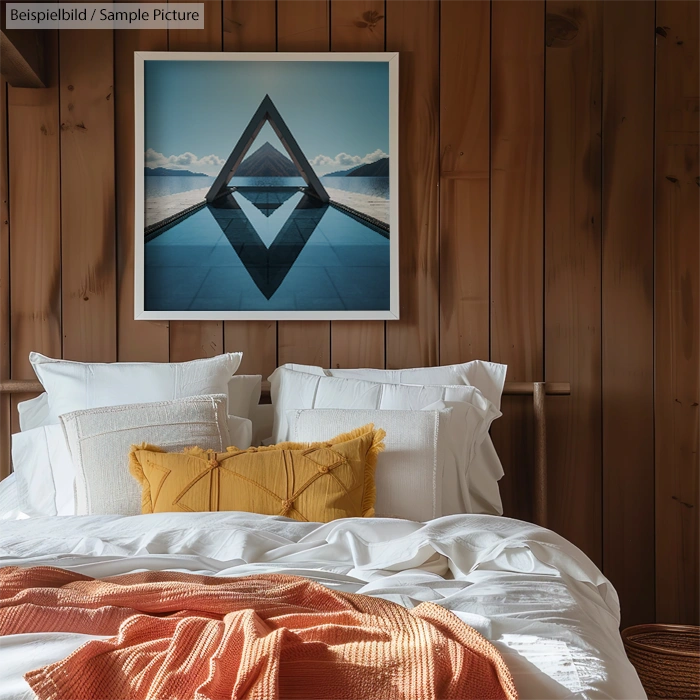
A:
268, 266
266, 201
267, 112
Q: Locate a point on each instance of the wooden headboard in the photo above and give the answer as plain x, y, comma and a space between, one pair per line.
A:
538, 391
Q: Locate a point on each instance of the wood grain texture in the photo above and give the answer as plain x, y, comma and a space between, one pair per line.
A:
465, 72
413, 28
572, 199
144, 341
5, 340
208, 39
88, 215
190, 340
303, 25
517, 126
627, 288
251, 26
35, 222
677, 366
357, 25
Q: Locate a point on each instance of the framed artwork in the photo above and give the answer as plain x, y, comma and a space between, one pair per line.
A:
266, 186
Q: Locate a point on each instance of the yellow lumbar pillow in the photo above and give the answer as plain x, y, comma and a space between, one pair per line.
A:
316, 482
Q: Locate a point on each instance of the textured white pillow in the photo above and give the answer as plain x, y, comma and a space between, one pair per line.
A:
76, 386
410, 475
44, 470
100, 438
298, 390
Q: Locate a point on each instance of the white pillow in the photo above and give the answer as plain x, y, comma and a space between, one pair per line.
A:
488, 377
297, 390
44, 470
243, 397
99, 440
75, 386
412, 477
33, 413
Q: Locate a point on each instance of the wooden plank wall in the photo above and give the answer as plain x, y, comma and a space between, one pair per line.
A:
549, 219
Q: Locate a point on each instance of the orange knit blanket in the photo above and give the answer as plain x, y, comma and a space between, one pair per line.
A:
268, 636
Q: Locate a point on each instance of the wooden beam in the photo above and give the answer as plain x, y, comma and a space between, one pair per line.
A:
22, 56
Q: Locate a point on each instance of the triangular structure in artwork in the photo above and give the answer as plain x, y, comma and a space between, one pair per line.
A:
267, 112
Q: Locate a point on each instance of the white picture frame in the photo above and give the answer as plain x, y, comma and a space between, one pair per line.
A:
146, 311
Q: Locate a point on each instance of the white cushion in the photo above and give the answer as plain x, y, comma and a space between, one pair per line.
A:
75, 386
243, 397
33, 413
99, 440
410, 476
44, 470
298, 390
488, 377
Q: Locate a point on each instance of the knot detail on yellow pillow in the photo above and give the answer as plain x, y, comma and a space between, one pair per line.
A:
316, 482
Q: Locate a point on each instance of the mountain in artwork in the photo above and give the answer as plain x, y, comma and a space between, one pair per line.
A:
343, 173
267, 161
169, 172
380, 168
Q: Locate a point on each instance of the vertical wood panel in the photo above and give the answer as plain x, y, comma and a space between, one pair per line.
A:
190, 340
517, 125
250, 26
5, 341
627, 287
357, 25
303, 25
413, 28
677, 313
572, 267
88, 245
142, 341
465, 71
35, 221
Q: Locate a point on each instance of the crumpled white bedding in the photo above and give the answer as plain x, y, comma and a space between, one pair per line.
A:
544, 604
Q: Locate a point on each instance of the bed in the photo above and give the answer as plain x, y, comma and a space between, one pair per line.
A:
546, 607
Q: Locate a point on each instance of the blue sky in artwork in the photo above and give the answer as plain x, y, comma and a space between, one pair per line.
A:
196, 110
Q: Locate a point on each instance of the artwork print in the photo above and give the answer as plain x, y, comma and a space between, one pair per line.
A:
267, 186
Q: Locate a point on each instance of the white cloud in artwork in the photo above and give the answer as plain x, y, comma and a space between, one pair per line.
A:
343, 161
211, 164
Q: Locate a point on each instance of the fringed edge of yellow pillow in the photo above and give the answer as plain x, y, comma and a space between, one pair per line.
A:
137, 472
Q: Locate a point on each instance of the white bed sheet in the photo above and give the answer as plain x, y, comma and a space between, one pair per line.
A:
543, 603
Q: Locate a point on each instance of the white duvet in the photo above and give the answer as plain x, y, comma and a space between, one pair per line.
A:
543, 603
